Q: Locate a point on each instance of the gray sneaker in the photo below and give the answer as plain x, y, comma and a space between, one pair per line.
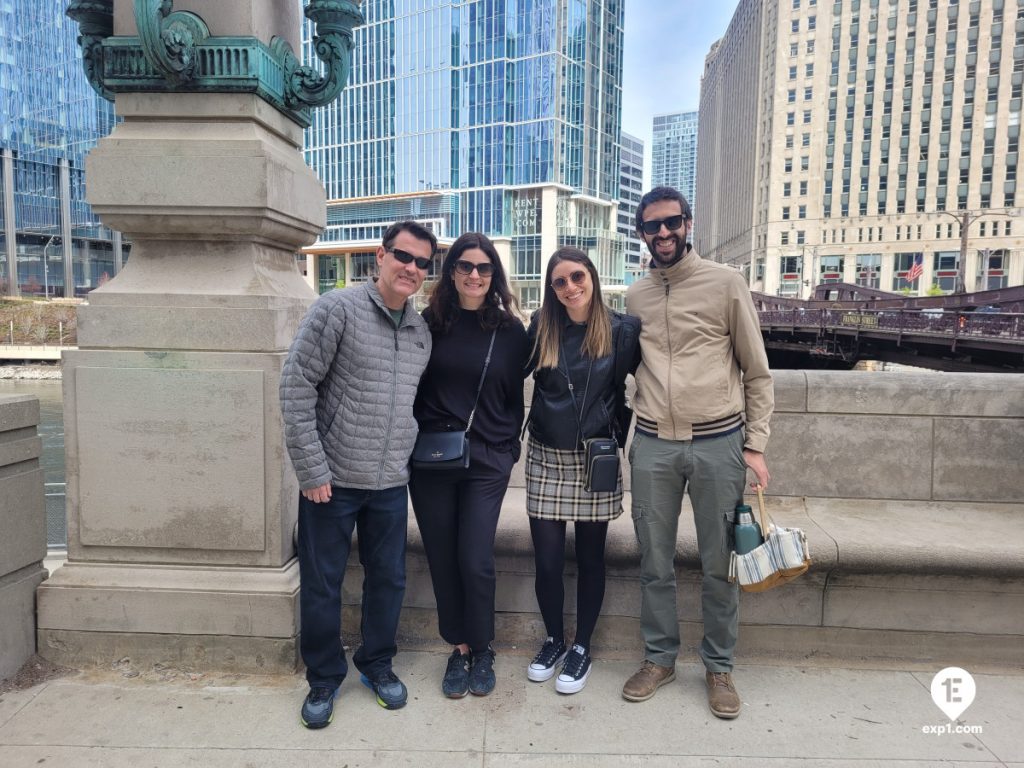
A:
318, 708
391, 692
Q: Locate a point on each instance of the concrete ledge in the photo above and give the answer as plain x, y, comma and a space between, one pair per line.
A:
248, 655
895, 581
18, 607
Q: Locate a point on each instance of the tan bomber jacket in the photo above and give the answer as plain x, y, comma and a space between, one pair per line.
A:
703, 367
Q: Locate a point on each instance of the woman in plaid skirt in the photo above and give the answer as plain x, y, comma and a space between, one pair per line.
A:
582, 352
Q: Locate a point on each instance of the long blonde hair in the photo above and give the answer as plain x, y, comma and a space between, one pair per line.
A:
551, 317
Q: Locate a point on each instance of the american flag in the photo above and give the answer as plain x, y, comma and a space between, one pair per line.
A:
916, 268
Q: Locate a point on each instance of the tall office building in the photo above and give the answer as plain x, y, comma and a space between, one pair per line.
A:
501, 117
631, 189
674, 153
840, 141
51, 244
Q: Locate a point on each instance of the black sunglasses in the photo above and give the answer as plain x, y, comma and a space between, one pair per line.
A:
672, 223
422, 262
560, 283
464, 267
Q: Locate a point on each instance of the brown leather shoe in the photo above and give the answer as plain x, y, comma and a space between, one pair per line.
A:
646, 680
722, 696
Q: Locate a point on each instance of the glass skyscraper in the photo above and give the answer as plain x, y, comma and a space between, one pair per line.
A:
49, 119
674, 153
498, 116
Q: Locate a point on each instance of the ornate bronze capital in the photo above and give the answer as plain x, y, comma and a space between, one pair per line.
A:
333, 21
96, 23
169, 40
174, 52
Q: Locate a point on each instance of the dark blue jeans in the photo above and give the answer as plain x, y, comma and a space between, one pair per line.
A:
325, 538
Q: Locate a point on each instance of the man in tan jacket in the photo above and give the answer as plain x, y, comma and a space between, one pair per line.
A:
703, 401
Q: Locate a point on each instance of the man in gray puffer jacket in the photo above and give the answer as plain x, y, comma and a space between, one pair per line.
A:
347, 393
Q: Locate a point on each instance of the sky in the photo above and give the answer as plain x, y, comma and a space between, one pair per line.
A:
663, 59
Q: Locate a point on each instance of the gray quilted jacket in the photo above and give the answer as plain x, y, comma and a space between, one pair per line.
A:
347, 391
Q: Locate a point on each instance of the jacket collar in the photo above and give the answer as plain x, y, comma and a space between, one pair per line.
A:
374, 293
679, 271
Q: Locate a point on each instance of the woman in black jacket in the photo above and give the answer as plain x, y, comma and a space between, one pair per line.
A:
582, 352
457, 509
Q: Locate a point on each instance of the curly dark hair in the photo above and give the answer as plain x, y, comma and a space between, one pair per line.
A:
500, 306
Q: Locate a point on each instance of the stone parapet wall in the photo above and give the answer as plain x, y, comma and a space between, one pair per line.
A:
880, 435
22, 529
891, 435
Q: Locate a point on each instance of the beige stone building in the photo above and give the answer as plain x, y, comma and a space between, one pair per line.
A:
845, 141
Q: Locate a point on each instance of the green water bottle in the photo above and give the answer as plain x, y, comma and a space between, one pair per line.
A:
747, 531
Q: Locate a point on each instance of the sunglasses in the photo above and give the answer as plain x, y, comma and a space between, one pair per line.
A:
672, 223
577, 277
484, 269
422, 262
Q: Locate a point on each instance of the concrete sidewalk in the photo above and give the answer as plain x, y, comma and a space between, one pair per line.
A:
793, 716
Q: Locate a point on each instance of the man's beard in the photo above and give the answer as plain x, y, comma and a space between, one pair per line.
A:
680, 250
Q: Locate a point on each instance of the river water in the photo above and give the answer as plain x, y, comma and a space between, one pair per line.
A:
51, 429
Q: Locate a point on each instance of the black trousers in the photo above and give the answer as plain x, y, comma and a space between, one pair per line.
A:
457, 513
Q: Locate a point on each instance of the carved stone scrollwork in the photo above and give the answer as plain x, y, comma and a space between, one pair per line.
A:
168, 39
96, 23
333, 20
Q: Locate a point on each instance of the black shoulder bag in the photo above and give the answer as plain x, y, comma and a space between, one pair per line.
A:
449, 450
600, 454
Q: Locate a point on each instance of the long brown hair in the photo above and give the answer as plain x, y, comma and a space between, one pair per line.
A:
552, 315
500, 306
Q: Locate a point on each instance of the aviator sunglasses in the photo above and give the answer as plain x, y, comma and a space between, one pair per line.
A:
577, 277
672, 223
484, 269
422, 262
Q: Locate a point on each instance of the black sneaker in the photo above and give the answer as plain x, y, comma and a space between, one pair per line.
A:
455, 684
575, 671
318, 708
481, 673
391, 692
548, 657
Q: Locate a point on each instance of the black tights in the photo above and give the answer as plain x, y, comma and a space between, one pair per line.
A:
549, 558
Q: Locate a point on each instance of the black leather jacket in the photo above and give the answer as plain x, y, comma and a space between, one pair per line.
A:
553, 419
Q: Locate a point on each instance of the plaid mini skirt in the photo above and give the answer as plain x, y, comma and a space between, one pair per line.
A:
554, 487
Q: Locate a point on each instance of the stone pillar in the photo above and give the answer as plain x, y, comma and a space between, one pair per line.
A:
181, 497
23, 522
118, 250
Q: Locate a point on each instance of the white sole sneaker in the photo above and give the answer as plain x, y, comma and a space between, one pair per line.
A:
565, 684
540, 674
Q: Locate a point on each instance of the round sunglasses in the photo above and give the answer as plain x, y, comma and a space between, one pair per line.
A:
577, 277
484, 269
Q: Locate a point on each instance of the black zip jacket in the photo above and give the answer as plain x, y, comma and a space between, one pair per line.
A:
553, 420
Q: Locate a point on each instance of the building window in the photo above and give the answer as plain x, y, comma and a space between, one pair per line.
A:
869, 270
784, 238
812, 22
785, 213
992, 269
901, 266
791, 96
795, 25
945, 265
803, 187
787, 188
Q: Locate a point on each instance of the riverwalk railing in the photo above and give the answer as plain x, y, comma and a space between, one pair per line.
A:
1008, 327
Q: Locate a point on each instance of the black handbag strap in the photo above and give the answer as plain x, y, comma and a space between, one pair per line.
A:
480, 386
577, 411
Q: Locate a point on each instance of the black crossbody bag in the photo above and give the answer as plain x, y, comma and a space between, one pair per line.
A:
449, 450
601, 454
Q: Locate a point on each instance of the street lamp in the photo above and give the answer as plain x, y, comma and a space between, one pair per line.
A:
965, 219
46, 270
